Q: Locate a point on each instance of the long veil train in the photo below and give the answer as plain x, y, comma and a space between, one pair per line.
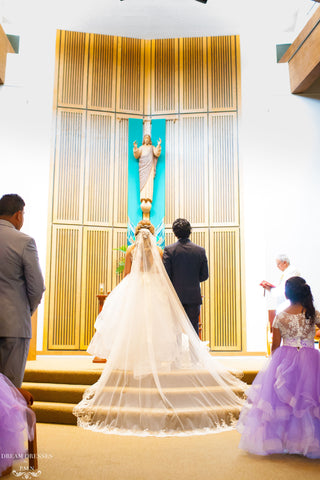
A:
159, 378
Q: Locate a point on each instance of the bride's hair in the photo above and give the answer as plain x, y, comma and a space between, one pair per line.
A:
298, 291
144, 232
144, 224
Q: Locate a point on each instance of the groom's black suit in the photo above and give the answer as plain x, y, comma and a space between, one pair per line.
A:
187, 265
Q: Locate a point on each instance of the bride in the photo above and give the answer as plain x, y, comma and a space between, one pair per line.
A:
159, 378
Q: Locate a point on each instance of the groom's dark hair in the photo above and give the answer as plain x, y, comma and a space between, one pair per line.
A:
181, 228
10, 204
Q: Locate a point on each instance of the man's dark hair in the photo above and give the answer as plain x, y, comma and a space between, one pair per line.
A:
181, 228
10, 204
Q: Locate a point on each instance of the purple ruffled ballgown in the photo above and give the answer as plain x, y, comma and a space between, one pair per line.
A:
16, 424
282, 412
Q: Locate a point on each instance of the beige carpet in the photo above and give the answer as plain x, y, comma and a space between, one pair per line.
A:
68, 452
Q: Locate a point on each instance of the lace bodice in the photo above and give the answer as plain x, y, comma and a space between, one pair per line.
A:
295, 329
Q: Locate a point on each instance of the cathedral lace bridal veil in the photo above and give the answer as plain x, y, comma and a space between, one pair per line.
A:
159, 378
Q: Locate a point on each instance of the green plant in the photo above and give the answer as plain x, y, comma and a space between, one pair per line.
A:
121, 262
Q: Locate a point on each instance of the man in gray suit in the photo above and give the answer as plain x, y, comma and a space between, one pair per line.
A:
21, 288
187, 265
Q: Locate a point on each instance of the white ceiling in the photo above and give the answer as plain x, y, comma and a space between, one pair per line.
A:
157, 18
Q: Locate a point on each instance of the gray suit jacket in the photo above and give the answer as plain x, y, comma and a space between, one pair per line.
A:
187, 265
21, 281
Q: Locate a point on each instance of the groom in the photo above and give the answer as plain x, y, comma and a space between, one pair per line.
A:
187, 266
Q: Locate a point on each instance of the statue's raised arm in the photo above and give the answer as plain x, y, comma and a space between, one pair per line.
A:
157, 149
136, 150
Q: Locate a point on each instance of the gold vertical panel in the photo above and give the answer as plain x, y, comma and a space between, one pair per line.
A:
222, 66
120, 183
102, 72
119, 240
193, 74
201, 237
69, 166
225, 291
194, 169
65, 283
164, 76
172, 172
224, 179
130, 75
147, 44
99, 168
96, 256
169, 237
73, 69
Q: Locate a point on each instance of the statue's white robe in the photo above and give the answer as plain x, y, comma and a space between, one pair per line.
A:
148, 157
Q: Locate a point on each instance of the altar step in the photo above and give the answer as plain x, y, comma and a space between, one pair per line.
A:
53, 393
74, 377
57, 392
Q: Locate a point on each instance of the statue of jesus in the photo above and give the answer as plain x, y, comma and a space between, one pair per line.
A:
148, 156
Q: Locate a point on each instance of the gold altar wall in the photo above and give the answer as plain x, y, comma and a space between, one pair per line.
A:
101, 81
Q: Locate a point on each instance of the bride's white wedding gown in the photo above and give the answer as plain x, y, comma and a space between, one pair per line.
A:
159, 378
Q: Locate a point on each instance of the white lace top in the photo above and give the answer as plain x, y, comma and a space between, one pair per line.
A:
295, 329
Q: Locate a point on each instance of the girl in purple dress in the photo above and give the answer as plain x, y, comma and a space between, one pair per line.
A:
16, 425
282, 411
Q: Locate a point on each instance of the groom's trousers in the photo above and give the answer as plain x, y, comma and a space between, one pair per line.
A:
193, 312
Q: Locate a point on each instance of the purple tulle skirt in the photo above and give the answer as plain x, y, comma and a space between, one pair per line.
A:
282, 412
16, 424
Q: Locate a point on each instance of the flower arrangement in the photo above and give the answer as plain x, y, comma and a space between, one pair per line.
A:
121, 262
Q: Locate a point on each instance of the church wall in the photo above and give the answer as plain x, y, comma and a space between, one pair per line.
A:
280, 176
25, 133
279, 157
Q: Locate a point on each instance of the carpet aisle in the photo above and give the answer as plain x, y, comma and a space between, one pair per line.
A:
70, 453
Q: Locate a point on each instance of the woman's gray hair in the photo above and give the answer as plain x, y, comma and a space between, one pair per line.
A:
283, 258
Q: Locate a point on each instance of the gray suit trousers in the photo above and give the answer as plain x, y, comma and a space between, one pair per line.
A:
13, 358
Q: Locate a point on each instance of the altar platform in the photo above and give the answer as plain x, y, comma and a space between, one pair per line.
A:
57, 382
78, 363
